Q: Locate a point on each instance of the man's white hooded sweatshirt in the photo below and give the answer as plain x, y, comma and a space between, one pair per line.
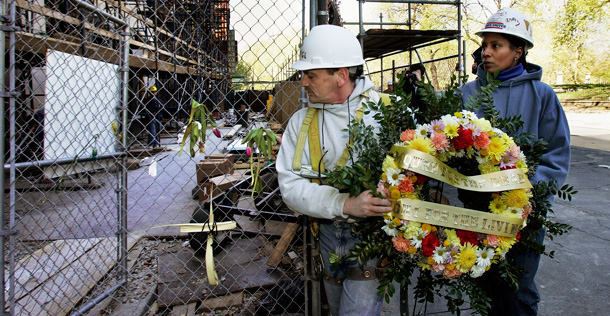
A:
299, 193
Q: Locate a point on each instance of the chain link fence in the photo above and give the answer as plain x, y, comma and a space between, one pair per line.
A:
99, 97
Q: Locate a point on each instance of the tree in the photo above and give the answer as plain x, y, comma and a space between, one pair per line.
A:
576, 24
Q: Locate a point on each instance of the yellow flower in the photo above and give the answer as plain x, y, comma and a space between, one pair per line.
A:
384, 177
450, 266
422, 144
516, 198
389, 163
522, 165
452, 237
395, 194
412, 250
412, 229
396, 222
426, 228
451, 130
505, 243
431, 261
458, 114
446, 243
466, 258
497, 206
497, 148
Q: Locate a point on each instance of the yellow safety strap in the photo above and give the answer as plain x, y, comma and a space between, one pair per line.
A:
385, 97
298, 151
315, 149
310, 129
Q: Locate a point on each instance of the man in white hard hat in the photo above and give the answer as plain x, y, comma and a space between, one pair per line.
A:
390, 88
506, 38
315, 141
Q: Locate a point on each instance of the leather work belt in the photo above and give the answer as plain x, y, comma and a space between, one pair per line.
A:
357, 274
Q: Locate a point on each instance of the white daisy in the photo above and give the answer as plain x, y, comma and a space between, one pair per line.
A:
440, 255
513, 212
394, 176
484, 256
422, 130
389, 228
416, 241
469, 114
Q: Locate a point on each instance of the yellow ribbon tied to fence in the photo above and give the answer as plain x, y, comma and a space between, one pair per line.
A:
210, 227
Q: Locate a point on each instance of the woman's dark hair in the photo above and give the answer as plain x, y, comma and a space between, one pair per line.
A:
516, 42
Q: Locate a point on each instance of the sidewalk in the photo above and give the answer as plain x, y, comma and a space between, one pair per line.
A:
576, 280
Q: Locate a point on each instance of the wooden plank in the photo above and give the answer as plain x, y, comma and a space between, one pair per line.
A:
233, 131
58, 294
35, 269
283, 244
241, 266
222, 302
184, 310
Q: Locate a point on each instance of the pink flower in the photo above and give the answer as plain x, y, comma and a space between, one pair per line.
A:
451, 274
438, 267
407, 135
381, 188
401, 244
482, 141
492, 241
249, 151
439, 141
279, 139
216, 132
508, 162
406, 185
436, 126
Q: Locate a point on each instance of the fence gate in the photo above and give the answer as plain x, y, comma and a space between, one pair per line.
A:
97, 97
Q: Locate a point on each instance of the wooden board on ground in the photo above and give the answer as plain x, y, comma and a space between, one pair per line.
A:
221, 302
63, 272
234, 130
241, 266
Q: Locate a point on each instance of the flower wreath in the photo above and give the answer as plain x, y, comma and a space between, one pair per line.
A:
451, 240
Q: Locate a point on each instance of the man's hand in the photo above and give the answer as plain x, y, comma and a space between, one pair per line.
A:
366, 205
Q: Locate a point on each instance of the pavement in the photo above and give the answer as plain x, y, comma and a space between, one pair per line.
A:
576, 281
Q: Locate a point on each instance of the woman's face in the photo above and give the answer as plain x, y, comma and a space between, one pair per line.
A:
497, 53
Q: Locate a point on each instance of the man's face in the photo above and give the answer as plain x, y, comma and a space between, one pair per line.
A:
320, 85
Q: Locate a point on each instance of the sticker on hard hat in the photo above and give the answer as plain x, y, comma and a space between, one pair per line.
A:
303, 55
495, 25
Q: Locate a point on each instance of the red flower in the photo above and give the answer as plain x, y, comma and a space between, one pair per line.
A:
468, 237
463, 140
421, 179
429, 244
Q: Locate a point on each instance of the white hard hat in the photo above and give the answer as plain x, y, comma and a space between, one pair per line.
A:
390, 83
512, 22
329, 46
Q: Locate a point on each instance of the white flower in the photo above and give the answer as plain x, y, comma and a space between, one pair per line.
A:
513, 212
422, 130
394, 176
450, 119
440, 255
484, 256
477, 271
416, 241
389, 228
469, 114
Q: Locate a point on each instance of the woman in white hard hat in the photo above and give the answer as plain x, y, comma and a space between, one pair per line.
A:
315, 140
506, 38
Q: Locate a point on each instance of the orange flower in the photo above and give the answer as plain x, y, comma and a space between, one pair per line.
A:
407, 135
401, 244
